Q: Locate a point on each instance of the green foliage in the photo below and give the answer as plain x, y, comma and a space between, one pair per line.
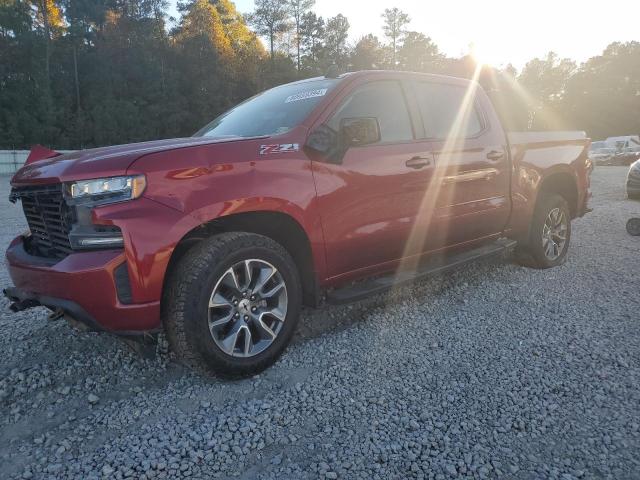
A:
84, 73
270, 18
336, 33
368, 54
419, 54
544, 81
394, 22
117, 75
603, 96
311, 42
297, 10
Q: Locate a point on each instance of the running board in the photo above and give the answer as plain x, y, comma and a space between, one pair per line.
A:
437, 265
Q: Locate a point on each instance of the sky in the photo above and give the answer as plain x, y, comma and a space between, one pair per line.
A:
501, 31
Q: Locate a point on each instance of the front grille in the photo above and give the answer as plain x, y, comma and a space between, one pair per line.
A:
49, 219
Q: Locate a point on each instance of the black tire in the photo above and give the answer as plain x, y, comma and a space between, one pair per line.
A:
532, 254
633, 227
189, 288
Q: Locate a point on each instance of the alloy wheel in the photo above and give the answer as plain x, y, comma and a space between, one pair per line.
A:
554, 234
247, 308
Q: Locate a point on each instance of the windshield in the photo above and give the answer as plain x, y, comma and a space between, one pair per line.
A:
271, 112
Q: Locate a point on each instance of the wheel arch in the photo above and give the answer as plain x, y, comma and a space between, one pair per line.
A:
562, 183
278, 226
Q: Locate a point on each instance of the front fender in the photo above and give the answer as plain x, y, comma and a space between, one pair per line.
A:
151, 231
214, 181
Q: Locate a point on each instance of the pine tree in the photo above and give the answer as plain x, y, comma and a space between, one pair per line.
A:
394, 22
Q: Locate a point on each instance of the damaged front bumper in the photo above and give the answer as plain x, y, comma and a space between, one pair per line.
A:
84, 286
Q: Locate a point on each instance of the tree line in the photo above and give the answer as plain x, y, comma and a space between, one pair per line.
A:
84, 73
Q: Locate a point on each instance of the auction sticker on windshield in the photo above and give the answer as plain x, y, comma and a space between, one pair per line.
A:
320, 92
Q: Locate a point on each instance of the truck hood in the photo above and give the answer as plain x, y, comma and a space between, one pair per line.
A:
102, 162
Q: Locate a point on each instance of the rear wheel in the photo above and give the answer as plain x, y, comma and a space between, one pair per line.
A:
232, 304
550, 233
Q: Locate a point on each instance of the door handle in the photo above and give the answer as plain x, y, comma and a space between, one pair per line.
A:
418, 162
495, 155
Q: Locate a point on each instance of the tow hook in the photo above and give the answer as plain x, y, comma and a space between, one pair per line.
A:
21, 305
18, 305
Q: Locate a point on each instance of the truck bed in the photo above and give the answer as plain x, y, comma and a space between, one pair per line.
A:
543, 150
561, 137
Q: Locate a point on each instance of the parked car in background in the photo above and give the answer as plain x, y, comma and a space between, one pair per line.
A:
623, 141
626, 156
615, 151
626, 150
600, 153
335, 187
633, 180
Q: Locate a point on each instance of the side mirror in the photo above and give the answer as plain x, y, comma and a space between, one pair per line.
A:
355, 132
323, 140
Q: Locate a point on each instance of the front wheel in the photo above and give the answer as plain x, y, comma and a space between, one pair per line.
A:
232, 304
550, 233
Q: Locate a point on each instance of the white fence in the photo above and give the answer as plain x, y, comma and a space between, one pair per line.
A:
12, 160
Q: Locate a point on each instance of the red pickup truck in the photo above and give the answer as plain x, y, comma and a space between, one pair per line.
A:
330, 188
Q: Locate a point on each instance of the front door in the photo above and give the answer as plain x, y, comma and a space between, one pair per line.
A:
370, 200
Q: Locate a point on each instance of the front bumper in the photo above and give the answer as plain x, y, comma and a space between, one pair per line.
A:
87, 279
82, 285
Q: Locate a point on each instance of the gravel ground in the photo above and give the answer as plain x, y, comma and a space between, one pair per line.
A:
494, 371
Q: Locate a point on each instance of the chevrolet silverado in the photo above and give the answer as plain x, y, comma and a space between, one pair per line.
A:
326, 189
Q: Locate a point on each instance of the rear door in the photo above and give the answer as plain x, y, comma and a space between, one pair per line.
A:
471, 181
369, 200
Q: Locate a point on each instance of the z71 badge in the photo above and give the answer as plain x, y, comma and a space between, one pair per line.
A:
279, 148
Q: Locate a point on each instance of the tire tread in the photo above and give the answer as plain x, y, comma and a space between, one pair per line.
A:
531, 255
178, 298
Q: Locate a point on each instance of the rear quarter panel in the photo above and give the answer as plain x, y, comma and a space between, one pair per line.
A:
535, 157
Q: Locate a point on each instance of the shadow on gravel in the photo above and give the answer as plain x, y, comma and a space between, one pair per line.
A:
58, 338
330, 318
334, 318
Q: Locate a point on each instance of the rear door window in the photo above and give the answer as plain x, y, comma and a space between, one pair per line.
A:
447, 111
383, 100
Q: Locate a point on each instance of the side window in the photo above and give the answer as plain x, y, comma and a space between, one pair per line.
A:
445, 112
383, 100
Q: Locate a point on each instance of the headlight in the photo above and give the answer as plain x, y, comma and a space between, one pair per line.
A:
106, 190
83, 195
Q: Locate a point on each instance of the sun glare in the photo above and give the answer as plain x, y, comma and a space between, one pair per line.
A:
479, 54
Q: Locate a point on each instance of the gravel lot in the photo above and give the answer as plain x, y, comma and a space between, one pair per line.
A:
493, 371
